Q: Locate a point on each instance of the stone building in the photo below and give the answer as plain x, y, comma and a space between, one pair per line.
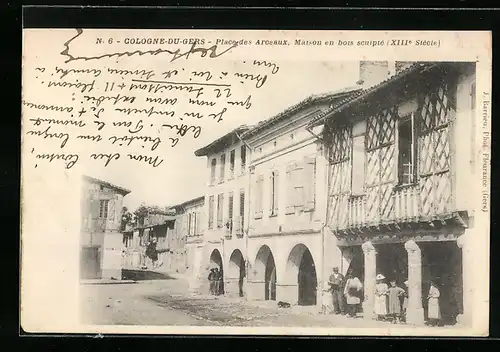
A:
188, 234
288, 178
100, 236
401, 159
223, 244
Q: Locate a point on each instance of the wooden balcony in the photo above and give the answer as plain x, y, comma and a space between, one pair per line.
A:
405, 202
399, 208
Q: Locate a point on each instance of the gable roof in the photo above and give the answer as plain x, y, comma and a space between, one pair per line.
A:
221, 142
363, 95
118, 189
309, 101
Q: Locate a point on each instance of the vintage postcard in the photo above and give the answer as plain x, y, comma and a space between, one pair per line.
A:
256, 182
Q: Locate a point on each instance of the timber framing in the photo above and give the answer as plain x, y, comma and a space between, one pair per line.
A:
443, 227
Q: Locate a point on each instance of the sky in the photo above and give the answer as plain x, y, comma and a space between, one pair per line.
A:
182, 175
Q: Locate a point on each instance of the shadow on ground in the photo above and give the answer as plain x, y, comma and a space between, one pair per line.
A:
219, 313
138, 275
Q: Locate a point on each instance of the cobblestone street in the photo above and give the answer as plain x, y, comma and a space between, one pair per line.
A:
165, 303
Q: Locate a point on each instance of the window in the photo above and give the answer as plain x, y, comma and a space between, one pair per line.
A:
406, 145
222, 167
194, 224
242, 207
189, 228
220, 207
301, 186
243, 156
198, 224
231, 163
103, 209
273, 210
212, 171
230, 212
211, 212
358, 165
259, 193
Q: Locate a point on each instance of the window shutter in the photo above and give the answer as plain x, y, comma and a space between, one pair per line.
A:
111, 210
256, 199
299, 180
198, 224
261, 196
358, 165
276, 192
290, 190
271, 194
309, 183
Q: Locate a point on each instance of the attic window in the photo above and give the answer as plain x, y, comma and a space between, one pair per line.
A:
274, 143
291, 136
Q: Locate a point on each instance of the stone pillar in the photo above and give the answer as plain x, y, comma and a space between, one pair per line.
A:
468, 266
370, 255
255, 290
287, 292
415, 311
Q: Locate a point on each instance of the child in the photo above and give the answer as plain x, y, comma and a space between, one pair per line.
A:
405, 302
434, 311
394, 293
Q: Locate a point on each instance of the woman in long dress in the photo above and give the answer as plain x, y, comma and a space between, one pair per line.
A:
381, 291
434, 311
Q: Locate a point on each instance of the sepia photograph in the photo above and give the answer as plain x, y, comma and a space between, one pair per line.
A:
217, 190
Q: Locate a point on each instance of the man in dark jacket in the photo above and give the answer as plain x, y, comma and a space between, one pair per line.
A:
217, 281
336, 282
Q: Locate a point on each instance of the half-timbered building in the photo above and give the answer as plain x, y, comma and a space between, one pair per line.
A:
401, 159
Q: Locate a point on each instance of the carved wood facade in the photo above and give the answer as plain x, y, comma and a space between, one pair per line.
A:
426, 196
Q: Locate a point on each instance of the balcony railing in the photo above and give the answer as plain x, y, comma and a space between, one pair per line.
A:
406, 204
404, 209
356, 206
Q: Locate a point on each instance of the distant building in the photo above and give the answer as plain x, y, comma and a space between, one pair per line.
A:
152, 223
100, 238
226, 205
188, 235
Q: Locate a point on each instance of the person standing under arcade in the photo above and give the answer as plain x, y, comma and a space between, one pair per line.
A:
336, 281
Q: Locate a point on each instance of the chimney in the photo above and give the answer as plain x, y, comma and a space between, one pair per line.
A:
374, 72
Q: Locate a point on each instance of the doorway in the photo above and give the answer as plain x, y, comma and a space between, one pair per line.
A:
307, 280
442, 263
90, 263
270, 279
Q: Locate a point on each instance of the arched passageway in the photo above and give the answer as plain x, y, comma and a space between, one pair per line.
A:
236, 273
265, 272
216, 262
301, 270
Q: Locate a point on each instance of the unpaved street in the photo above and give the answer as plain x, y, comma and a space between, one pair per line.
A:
165, 302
